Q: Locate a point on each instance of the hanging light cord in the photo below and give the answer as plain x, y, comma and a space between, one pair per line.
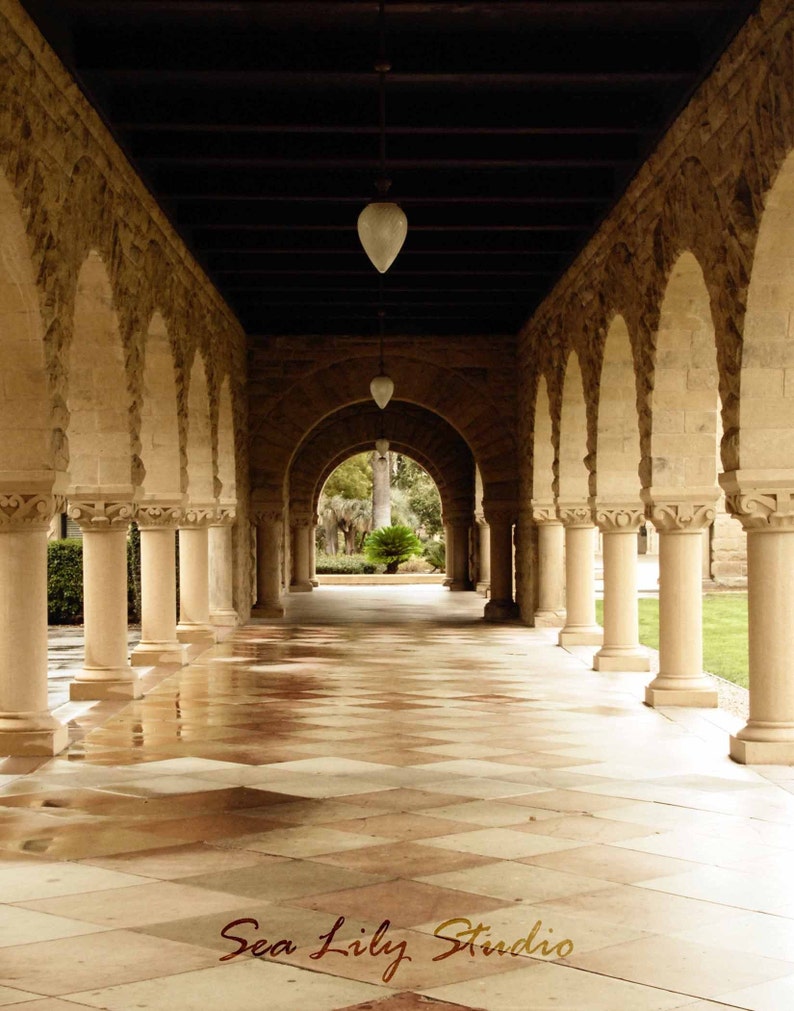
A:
382, 66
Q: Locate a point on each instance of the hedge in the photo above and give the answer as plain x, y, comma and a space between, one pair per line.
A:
350, 565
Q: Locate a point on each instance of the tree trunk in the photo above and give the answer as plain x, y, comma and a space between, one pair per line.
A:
350, 539
381, 491
331, 535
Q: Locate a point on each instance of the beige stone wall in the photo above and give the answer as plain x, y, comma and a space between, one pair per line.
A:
66, 186
702, 195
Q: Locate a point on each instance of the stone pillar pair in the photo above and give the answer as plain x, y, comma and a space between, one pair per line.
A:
456, 529
302, 532
500, 517
484, 555
269, 523
550, 609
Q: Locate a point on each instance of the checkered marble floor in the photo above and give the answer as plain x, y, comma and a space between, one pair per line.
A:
385, 803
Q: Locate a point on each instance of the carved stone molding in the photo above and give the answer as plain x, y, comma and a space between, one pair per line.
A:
196, 516
150, 515
757, 503
301, 520
225, 516
544, 513
617, 518
19, 511
500, 512
267, 517
575, 514
669, 517
96, 515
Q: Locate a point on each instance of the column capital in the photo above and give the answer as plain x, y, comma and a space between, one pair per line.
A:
151, 515
460, 519
28, 511
225, 516
618, 517
543, 512
100, 515
198, 515
268, 517
301, 518
760, 501
575, 514
496, 511
679, 513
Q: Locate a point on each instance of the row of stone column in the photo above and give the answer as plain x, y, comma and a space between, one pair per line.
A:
768, 518
205, 578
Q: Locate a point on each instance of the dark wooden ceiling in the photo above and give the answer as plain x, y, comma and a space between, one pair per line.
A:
512, 128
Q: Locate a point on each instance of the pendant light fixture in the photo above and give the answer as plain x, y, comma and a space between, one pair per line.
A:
382, 225
382, 386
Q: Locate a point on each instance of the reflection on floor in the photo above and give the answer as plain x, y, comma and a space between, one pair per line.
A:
379, 791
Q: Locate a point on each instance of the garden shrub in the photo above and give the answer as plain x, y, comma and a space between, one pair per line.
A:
65, 582
348, 565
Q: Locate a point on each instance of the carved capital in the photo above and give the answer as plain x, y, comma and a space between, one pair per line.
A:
267, 517
575, 514
95, 515
196, 516
757, 503
224, 516
301, 519
682, 515
544, 512
19, 511
616, 518
496, 511
149, 515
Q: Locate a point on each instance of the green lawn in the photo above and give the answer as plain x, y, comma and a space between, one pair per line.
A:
724, 632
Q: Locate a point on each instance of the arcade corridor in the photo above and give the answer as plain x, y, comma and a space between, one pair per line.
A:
384, 754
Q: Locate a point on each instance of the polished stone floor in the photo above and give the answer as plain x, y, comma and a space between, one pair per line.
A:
352, 809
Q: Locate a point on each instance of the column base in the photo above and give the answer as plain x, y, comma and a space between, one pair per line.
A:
226, 618
695, 695
457, 585
302, 587
580, 635
315, 583
617, 658
484, 587
148, 654
101, 686
447, 582
763, 742
34, 743
501, 610
198, 634
267, 611
550, 619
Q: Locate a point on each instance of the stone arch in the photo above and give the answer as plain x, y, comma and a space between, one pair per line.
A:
26, 435
618, 443
685, 395
226, 454
199, 477
443, 392
159, 415
767, 386
97, 389
574, 476
412, 430
543, 448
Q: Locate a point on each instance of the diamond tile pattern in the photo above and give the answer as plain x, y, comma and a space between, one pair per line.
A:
383, 803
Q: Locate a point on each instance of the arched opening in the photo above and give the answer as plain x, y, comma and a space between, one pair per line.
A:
159, 417
543, 449
618, 446
97, 395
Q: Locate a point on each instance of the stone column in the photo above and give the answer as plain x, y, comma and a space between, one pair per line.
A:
580, 627
194, 598
501, 606
221, 567
680, 681
313, 553
106, 672
460, 553
26, 725
302, 531
157, 523
621, 651
767, 515
269, 528
484, 534
448, 552
551, 565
